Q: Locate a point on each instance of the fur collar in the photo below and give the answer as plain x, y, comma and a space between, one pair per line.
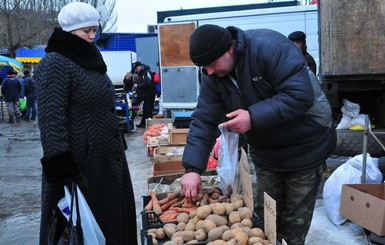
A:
76, 49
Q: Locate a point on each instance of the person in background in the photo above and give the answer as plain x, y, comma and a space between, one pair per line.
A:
145, 90
30, 93
11, 89
20, 76
299, 38
256, 83
79, 128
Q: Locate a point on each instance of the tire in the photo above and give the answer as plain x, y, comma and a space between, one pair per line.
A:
350, 143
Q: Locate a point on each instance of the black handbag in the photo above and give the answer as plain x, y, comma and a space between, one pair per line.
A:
63, 232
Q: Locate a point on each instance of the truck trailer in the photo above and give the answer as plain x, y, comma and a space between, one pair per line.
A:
180, 78
352, 66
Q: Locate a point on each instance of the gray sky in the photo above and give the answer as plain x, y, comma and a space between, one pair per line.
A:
134, 16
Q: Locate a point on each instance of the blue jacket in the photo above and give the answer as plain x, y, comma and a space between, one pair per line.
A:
11, 89
291, 120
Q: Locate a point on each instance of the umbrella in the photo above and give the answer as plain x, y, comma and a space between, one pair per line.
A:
15, 64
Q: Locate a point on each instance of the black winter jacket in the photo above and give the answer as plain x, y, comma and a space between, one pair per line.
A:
291, 129
146, 86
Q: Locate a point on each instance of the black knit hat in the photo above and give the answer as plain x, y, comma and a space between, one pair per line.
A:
297, 36
208, 43
136, 64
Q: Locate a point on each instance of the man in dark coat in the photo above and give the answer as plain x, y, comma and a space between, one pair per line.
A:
30, 93
299, 38
145, 90
257, 84
11, 89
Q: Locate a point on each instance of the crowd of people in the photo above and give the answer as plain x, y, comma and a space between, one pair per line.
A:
256, 83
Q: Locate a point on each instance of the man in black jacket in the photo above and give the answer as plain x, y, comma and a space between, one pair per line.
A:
30, 93
299, 38
145, 90
257, 84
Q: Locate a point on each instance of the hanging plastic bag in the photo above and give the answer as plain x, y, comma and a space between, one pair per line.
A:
91, 231
228, 162
23, 104
348, 173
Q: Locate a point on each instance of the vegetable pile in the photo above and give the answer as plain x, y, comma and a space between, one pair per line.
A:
155, 130
215, 218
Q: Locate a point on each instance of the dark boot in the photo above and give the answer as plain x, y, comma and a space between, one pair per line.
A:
11, 120
17, 116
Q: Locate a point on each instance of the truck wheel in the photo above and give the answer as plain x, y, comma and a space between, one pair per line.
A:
350, 143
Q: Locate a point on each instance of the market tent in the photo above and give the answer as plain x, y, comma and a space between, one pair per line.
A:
15, 64
32, 56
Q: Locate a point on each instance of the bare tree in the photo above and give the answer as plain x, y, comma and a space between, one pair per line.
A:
26, 23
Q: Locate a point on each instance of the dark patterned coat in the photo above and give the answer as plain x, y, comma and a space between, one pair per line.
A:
77, 114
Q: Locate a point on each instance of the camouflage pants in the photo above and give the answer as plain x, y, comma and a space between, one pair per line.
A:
13, 108
295, 194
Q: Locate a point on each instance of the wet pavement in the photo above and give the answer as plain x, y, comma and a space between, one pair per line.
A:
20, 186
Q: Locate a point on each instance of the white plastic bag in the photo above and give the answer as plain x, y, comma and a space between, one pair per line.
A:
228, 161
348, 173
91, 231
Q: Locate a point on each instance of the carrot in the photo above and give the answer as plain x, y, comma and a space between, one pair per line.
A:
155, 203
164, 201
177, 204
168, 216
172, 195
148, 207
183, 210
188, 205
168, 204
205, 199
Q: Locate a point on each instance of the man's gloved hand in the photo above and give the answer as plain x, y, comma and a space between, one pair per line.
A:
59, 168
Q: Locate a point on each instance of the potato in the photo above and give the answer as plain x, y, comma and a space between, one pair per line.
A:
241, 238
154, 241
218, 242
247, 223
247, 230
192, 214
234, 217
183, 217
153, 230
236, 230
192, 242
169, 229
237, 204
245, 213
254, 240
177, 234
218, 208
229, 208
190, 226
203, 211
178, 240
200, 235
170, 243
180, 226
236, 225
215, 234
235, 197
219, 220
188, 235
152, 234
196, 219
257, 232
160, 233
199, 225
227, 235
208, 225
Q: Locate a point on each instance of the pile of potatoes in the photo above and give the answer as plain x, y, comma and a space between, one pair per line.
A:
218, 224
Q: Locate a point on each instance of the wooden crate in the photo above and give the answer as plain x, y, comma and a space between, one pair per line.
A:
177, 136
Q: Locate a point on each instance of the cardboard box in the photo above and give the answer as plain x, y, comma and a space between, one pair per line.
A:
364, 204
167, 167
177, 136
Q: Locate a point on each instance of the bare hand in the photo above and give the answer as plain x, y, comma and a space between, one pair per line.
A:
191, 186
239, 121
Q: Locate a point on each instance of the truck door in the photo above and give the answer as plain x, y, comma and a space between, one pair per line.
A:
179, 76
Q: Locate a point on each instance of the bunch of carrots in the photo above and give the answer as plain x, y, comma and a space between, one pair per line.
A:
153, 131
173, 204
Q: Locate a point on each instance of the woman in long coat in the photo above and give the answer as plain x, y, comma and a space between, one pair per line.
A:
80, 130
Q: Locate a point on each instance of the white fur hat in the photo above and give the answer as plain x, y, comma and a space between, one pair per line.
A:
77, 15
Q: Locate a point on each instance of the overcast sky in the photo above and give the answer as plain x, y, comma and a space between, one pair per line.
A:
134, 16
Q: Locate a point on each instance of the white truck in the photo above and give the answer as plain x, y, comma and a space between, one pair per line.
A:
180, 77
118, 64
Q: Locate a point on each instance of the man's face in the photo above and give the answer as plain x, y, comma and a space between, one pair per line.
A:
138, 69
222, 66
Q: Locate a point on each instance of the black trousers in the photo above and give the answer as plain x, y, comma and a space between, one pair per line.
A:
148, 106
